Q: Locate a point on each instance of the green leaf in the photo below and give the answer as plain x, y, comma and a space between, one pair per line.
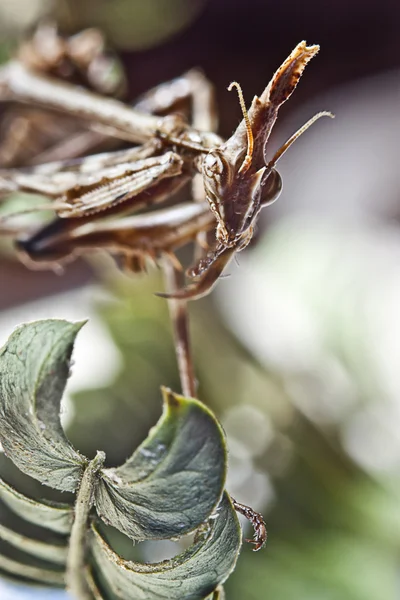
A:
169, 486
219, 594
173, 481
39, 549
55, 516
37, 574
93, 586
193, 575
34, 367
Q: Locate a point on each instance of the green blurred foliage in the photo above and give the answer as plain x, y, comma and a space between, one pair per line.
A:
130, 24
119, 416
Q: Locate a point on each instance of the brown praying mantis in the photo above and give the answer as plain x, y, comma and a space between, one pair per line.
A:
103, 200
238, 179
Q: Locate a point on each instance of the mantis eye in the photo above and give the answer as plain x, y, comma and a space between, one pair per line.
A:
271, 188
213, 165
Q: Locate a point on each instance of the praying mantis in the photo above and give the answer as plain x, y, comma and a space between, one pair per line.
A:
103, 200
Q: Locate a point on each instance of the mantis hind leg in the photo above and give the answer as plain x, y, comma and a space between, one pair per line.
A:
190, 93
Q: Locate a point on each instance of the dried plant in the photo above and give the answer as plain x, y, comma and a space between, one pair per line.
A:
172, 485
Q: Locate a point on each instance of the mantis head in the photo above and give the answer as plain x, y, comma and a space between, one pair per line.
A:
239, 179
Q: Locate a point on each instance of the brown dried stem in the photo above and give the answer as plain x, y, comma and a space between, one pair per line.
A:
180, 323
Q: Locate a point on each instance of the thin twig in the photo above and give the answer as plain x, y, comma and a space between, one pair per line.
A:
180, 322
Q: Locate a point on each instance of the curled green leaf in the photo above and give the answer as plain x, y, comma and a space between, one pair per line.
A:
41, 575
170, 485
193, 575
50, 552
55, 516
175, 478
218, 594
34, 367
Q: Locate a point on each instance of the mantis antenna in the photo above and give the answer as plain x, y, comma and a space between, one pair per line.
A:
279, 153
250, 140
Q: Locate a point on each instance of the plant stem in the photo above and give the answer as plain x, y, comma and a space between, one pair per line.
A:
180, 323
75, 574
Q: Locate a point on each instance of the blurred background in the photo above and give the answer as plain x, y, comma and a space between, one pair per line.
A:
298, 351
